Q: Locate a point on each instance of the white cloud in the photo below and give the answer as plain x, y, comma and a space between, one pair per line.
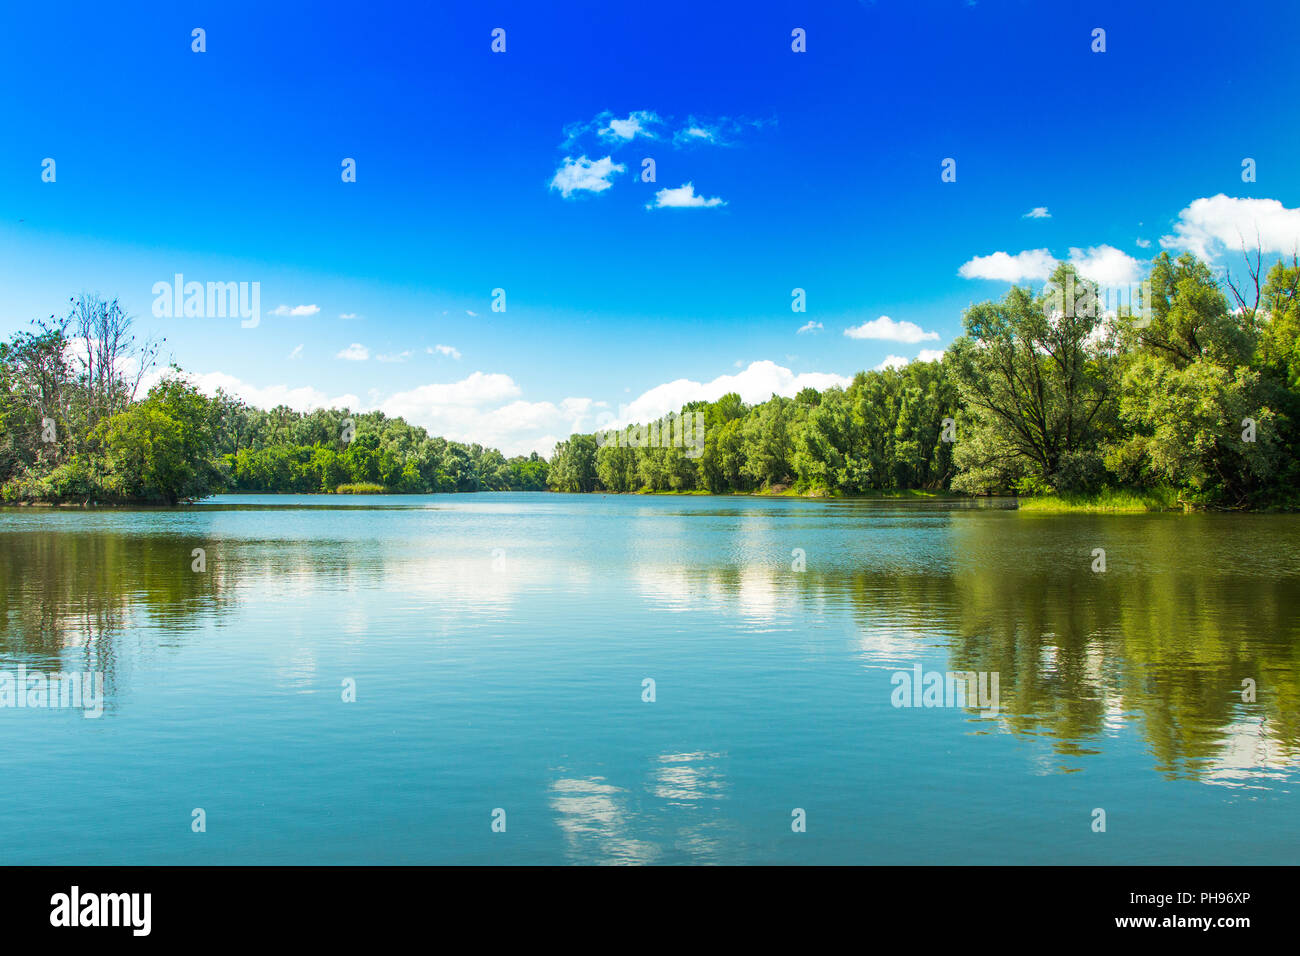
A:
444, 350
898, 361
394, 356
1103, 264
471, 411
488, 408
694, 134
1038, 212
1107, 265
809, 326
1143, 243
1030, 264
356, 352
683, 197
472, 315
757, 383
1209, 226
718, 131
891, 331
296, 353
347, 315
585, 175
477, 389
303, 399
638, 123
297, 311
615, 132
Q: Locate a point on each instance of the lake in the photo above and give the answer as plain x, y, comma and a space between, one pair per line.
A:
501, 647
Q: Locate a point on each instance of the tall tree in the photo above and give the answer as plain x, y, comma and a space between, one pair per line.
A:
1033, 372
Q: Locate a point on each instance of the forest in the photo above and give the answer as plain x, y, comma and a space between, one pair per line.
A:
1195, 397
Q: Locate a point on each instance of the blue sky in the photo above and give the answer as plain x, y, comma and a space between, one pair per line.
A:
226, 166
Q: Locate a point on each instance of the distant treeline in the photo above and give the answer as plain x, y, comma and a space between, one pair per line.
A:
283, 450
1194, 394
73, 429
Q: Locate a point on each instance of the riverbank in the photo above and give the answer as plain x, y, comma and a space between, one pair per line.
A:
1108, 501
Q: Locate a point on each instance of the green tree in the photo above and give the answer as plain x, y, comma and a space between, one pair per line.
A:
1036, 376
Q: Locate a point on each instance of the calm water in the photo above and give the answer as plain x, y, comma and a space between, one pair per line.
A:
499, 645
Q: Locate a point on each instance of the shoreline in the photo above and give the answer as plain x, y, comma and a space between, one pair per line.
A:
1106, 502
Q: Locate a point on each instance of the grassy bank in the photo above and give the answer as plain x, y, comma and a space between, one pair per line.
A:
1112, 501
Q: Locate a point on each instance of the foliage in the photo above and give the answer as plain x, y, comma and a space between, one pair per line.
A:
1107, 500
1189, 402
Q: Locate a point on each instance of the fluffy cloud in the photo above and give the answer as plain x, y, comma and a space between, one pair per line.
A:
608, 132
445, 350
757, 383
1103, 264
356, 352
1038, 212
1107, 265
303, 399
638, 123
1209, 226
612, 130
477, 389
683, 197
471, 410
585, 175
1030, 264
297, 311
810, 326
891, 331
898, 361
488, 408
482, 407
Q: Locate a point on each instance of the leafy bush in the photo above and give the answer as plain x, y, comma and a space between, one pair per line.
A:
360, 488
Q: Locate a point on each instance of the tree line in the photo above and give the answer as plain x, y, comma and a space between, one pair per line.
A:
1196, 393
73, 428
